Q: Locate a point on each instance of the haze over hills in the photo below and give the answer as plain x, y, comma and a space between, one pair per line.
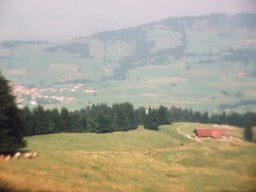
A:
204, 62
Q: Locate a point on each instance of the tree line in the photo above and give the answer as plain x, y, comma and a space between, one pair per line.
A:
102, 118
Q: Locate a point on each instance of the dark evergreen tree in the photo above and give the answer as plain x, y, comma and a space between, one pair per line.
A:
91, 113
11, 137
103, 123
249, 121
27, 119
151, 121
204, 118
65, 120
175, 114
215, 118
235, 119
248, 133
197, 116
140, 114
118, 117
190, 115
83, 124
40, 121
123, 117
162, 115
52, 120
129, 114
223, 117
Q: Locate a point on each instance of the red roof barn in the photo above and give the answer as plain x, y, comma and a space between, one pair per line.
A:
214, 133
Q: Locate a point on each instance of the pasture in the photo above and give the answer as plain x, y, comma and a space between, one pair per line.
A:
138, 160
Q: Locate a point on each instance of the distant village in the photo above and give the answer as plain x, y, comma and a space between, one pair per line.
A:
47, 95
32, 95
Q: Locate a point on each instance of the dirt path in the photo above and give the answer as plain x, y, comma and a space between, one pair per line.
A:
186, 135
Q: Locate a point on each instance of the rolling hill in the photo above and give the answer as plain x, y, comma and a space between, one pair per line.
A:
204, 63
138, 160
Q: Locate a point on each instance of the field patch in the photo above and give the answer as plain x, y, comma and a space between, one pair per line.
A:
5, 52
165, 80
53, 68
138, 160
17, 71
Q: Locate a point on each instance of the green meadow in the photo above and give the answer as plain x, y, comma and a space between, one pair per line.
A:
137, 160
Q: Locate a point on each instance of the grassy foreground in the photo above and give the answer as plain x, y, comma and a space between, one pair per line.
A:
139, 160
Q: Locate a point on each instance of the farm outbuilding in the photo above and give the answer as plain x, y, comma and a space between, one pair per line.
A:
213, 133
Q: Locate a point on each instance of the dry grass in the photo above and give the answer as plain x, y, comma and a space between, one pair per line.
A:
139, 160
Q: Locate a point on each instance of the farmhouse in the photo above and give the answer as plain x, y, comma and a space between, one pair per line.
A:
213, 133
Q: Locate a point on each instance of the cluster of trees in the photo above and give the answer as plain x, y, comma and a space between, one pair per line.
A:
83, 49
102, 118
99, 118
245, 56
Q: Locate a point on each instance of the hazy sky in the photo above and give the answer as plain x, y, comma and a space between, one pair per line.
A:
65, 19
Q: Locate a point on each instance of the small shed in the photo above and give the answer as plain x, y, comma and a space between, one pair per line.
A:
213, 133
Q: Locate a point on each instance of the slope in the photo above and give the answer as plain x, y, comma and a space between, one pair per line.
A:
139, 160
205, 62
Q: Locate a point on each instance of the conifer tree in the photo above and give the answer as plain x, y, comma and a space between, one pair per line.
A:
248, 134
65, 120
11, 128
151, 121
162, 115
140, 115
27, 119
104, 124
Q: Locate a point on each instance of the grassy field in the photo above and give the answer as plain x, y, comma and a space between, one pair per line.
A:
138, 160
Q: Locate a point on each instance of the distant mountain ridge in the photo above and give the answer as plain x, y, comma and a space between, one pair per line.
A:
195, 58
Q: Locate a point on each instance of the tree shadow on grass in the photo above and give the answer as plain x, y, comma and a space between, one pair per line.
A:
5, 187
